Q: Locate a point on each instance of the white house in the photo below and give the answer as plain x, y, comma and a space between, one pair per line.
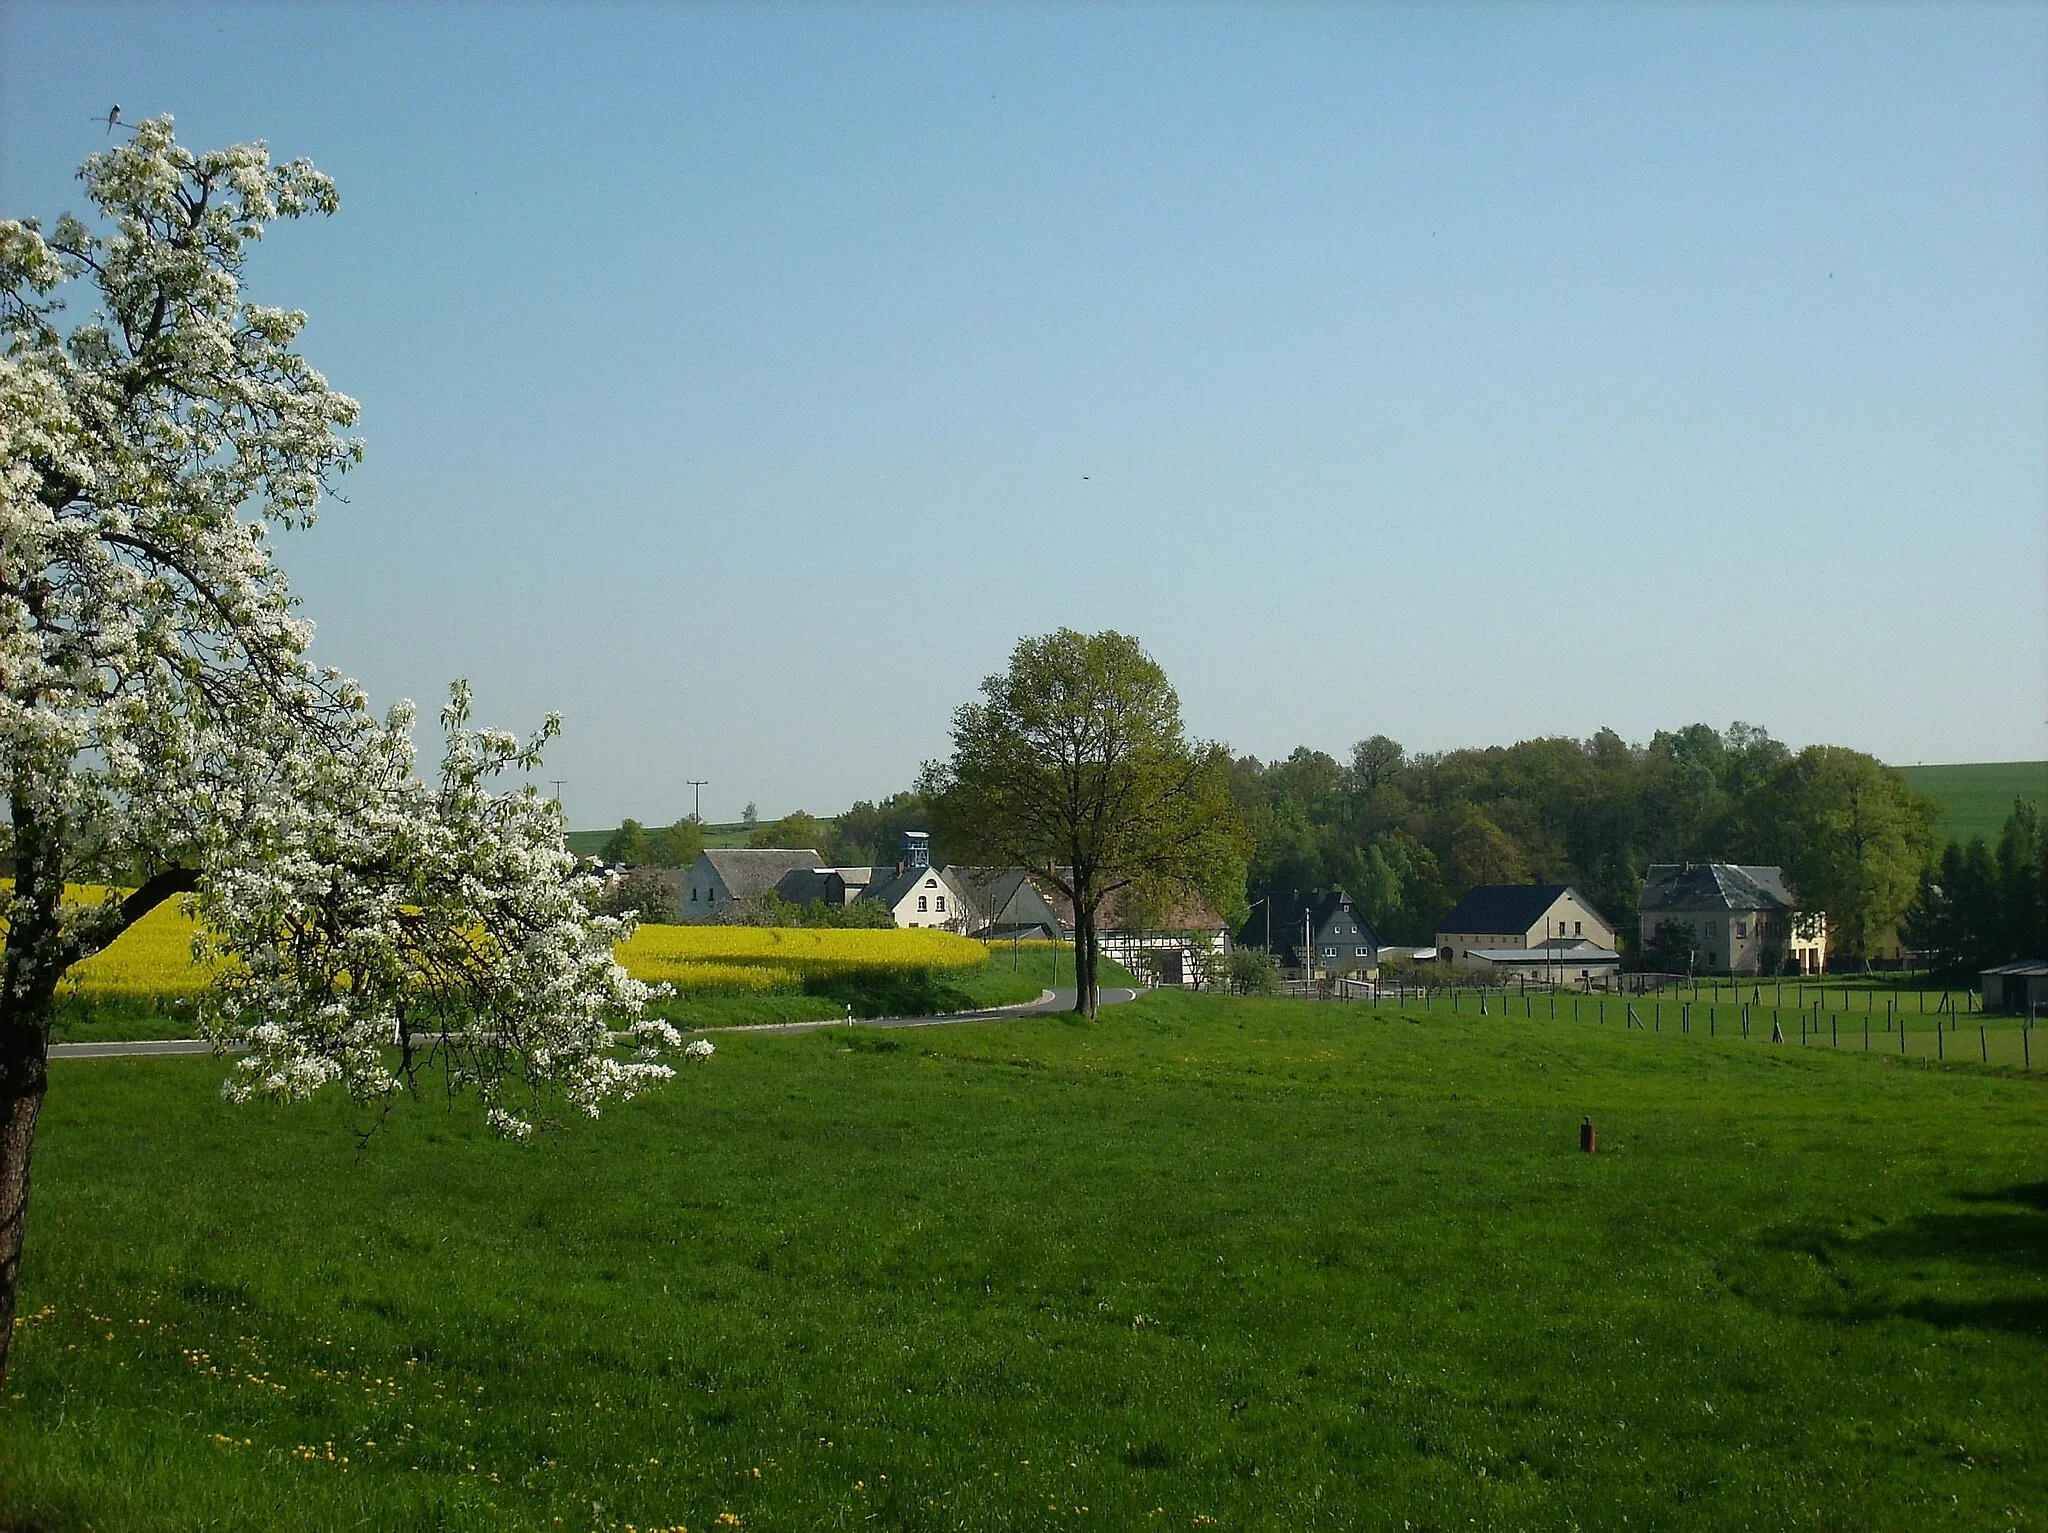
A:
1743, 919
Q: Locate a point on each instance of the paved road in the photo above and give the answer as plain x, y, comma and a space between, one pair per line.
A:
1048, 1001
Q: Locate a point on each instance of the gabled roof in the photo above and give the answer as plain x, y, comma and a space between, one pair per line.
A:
750, 872
891, 890
1004, 896
1288, 914
1504, 907
1714, 886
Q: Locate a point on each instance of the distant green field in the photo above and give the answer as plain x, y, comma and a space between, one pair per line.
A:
588, 843
1978, 795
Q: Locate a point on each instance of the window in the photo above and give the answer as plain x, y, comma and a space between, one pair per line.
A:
1713, 960
1361, 952
923, 903
1578, 929
942, 902
1742, 928
1329, 952
1713, 928
693, 894
931, 883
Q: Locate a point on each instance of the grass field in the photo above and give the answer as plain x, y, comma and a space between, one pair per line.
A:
1978, 796
1246, 1264
589, 843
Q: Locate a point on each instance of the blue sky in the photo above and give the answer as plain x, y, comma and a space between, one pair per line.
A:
743, 382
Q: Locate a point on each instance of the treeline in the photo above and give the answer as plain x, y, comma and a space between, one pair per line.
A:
1407, 835
1981, 906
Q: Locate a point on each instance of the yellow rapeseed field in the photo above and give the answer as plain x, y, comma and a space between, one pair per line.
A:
782, 958
154, 956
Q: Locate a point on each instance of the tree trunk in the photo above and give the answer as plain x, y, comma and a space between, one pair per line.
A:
24, 1077
1084, 959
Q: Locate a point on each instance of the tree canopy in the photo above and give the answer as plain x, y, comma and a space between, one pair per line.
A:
1075, 764
162, 727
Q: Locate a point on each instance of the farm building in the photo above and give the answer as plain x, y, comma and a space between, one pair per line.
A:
2019, 988
1321, 933
1008, 904
916, 893
721, 875
1744, 920
1560, 961
1177, 946
1495, 919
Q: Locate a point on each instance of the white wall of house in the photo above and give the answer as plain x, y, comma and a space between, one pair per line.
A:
704, 892
1739, 941
1197, 949
934, 901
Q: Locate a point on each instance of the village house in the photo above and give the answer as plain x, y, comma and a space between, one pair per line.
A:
1183, 945
1528, 931
1743, 919
1009, 905
1317, 934
914, 892
725, 875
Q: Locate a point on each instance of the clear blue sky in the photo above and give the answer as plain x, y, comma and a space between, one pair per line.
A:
745, 381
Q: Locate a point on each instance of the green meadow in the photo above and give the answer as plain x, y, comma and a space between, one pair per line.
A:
1976, 797
1204, 1263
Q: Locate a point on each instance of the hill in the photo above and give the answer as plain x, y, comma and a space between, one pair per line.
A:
1978, 795
588, 843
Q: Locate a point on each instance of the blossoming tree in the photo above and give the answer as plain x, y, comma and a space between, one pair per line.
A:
161, 728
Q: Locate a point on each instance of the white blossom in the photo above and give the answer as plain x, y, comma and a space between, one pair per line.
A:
158, 710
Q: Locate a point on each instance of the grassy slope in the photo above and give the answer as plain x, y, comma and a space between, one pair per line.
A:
1268, 1263
1978, 797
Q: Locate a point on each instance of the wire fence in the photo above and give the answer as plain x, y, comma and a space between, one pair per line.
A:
1940, 1025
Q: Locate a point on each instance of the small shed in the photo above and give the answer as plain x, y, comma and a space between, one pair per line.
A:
2019, 988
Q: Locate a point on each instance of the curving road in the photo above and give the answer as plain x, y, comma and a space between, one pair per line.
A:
1048, 1001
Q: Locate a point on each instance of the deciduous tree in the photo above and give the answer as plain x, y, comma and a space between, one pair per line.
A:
160, 722
1075, 764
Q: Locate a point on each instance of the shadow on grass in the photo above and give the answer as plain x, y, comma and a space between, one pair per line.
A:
2003, 1237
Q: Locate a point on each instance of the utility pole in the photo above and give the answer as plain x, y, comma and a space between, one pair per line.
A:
558, 781
698, 783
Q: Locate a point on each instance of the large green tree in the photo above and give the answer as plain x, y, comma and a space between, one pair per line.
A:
1075, 764
1852, 837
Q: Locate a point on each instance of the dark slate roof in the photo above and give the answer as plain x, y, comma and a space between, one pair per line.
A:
1288, 911
750, 872
891, 889
1714, 886
809, 886
1502, 907
1005, 896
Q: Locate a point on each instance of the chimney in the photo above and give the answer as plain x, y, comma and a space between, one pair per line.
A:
917, 848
